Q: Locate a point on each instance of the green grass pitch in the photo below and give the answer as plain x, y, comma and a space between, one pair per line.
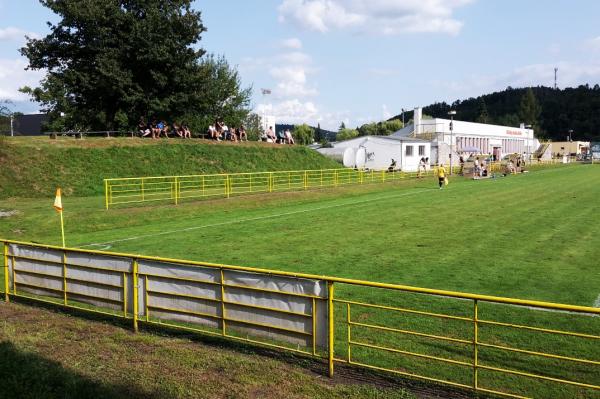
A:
531, 236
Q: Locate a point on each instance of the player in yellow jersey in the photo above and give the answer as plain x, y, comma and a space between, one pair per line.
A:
441, 174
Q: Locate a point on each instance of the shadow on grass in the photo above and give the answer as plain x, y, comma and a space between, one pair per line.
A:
49, 379
27, 375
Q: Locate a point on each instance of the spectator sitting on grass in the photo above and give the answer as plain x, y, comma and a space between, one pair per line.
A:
288, 137
242, 133
185, 130
144, 128
226, 132
271, 138
212, 132
177, 129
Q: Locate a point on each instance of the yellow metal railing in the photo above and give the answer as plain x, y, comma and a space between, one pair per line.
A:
485, 342
177, 188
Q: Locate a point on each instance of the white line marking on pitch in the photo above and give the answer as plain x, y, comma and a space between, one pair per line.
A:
597, 302
108, 243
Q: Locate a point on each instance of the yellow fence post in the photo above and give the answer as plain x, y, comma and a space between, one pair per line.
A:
6, 279
135, 295
176, 190
475, 337
305, 179
142, 189
227, 186
349, 333
106, 193
331, 326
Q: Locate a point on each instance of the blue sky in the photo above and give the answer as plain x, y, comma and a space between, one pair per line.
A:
356, 61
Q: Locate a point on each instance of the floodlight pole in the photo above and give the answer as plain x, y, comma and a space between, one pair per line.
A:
451, 113
527, 132
12, 131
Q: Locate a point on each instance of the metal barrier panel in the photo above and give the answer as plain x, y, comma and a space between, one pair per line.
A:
75, 277
234, 303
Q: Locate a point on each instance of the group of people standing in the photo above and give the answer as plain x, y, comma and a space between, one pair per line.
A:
219, 131
158, 128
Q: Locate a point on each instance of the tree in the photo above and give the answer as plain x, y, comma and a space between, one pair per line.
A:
388, 127
5, 115
254, 127
368, 129
319, 134
342, 126
482, 111
346, 134
303, 134
529, 111
110, 62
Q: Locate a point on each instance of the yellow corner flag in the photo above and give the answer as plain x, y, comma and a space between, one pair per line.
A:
58, 201
59, 208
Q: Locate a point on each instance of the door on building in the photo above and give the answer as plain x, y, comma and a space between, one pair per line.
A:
496, 153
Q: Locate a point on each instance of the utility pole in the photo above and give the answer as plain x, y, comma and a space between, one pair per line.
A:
12, 130
555, 72
451, 113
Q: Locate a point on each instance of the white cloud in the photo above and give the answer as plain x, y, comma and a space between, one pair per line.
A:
569, 74
386, 17
296, 112
13, 76
12, 33
290, 71
290, 111
291, 43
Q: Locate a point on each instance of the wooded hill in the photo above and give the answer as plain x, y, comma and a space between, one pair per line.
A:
559, 110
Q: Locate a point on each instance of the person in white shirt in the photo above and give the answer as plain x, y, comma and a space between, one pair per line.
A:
288, 137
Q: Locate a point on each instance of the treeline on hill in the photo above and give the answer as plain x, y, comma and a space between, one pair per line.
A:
384, 128
551, 112
110, 63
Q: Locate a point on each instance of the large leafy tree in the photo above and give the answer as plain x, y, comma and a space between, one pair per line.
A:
109, 62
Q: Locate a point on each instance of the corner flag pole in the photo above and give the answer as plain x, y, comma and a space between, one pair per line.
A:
59, 208
62, 229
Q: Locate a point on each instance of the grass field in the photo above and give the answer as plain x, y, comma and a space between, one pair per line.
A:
532, 236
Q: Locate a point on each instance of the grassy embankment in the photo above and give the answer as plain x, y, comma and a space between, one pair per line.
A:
34, 167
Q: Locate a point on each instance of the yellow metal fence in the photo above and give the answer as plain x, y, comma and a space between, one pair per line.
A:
508, 347
178, 188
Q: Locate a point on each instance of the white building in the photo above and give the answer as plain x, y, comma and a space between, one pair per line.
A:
377, 152
469, 137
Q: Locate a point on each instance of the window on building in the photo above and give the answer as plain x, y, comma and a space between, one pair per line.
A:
421, 150
409, 150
